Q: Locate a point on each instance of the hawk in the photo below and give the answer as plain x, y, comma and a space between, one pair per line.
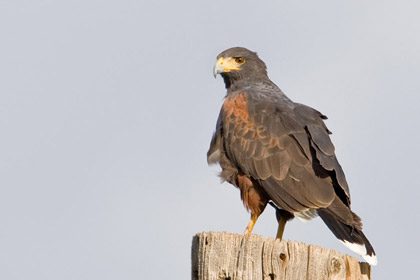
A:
279, 152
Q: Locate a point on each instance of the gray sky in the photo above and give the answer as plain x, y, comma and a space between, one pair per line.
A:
107, 109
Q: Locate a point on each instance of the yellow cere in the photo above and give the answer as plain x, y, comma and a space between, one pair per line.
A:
228, 64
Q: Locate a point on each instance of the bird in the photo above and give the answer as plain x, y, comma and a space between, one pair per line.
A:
279, 152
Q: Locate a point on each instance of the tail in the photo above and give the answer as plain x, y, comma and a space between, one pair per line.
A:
351, 237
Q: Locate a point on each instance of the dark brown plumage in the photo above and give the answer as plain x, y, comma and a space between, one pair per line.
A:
279, 152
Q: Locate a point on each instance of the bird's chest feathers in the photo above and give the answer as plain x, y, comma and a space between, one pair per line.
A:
237, 107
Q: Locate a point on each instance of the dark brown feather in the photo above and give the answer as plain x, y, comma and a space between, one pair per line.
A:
282, 147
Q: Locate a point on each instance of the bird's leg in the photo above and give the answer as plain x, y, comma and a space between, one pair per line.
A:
282, 223
251, 224
282, 217
253, 198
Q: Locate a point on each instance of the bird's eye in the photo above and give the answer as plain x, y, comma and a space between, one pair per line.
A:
239, 60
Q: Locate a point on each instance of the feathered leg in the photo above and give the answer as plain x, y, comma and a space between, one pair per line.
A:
253, 198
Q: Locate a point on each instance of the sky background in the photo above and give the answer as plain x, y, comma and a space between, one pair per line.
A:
107, 109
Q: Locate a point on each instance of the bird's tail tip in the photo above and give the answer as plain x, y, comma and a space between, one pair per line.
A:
364, 250
372, 260
351, 237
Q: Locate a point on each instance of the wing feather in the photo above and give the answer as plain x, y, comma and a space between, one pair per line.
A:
263, 168
321, 139
284, 147
280, 164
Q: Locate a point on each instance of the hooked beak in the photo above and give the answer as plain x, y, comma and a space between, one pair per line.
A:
218, 67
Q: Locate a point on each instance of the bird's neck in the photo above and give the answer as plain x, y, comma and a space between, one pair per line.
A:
235, 82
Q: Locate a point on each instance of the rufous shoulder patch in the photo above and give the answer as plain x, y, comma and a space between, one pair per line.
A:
238, 106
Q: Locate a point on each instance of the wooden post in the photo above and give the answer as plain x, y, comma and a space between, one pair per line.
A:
226, 256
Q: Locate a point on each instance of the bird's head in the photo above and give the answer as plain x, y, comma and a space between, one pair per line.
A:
236, 64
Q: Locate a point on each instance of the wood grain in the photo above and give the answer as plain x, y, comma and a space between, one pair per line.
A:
226, 256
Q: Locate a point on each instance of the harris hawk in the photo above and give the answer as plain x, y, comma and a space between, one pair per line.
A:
279, 152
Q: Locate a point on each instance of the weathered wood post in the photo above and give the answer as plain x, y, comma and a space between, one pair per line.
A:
226, 256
